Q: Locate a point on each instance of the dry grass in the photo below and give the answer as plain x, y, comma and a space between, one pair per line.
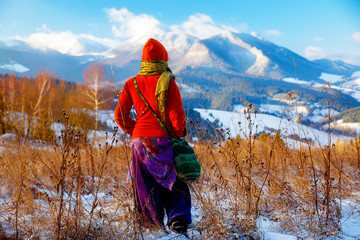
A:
71, 189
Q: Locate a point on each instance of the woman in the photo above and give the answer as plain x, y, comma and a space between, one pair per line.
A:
152, 167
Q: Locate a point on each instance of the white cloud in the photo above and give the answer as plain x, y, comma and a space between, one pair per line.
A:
129, 25
356, 37
200, 26
67, 42
312, 52
273, 32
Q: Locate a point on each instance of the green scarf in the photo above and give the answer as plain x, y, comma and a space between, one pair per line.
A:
150, 68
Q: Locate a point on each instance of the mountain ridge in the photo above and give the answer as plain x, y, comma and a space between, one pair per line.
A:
227, 53
214, 72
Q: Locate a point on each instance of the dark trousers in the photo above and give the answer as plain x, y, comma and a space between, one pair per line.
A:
153, 199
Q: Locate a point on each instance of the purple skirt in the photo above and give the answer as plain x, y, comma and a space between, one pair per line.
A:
157, 155
157, 190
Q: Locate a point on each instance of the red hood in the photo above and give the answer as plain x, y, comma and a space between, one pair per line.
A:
154, 50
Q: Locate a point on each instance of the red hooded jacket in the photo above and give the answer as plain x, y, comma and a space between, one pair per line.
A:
146, 125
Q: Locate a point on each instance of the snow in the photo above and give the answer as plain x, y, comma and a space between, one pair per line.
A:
331, 78
237, 124
277, 109
350, 221
2, 149
321, 112
340, 124
272, 230
99, 136
356, 74
356, 95
282, 110
301, 109
57, 128
9, 137
107, 117
198, 55
260, 64
187, 88
261, 61
277, 236
15, 67
269, 230
303, 82
177, 45
238, 108
351, 86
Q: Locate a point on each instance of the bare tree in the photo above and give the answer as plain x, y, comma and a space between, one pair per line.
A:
43, 82
94, 82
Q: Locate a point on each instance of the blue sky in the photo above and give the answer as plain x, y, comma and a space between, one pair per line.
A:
312, 28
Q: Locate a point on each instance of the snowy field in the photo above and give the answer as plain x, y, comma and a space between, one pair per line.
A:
238, 124
350, 86
263, 122
268, 229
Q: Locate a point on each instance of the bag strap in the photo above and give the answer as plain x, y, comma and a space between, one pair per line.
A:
162, 124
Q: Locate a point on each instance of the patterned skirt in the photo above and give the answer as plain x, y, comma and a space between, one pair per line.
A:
156, 154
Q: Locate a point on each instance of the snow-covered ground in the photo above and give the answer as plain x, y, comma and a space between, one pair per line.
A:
320, 112
331, 78
13, 66
186, 88
264, 122
347, 126
282, 110
316, 112
237, 123
350, 86
350, 221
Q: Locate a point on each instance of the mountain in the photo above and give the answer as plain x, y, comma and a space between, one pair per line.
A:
336, 67
228, 53
210, 71
31, 62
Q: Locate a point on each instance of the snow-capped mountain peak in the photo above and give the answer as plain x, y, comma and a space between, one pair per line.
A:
225, 53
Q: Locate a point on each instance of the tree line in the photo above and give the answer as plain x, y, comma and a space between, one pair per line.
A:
31, 107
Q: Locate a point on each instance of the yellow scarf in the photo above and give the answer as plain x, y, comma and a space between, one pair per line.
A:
149, 68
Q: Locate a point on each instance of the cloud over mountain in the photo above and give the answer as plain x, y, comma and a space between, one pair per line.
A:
200, 26
67, 42
128, 25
